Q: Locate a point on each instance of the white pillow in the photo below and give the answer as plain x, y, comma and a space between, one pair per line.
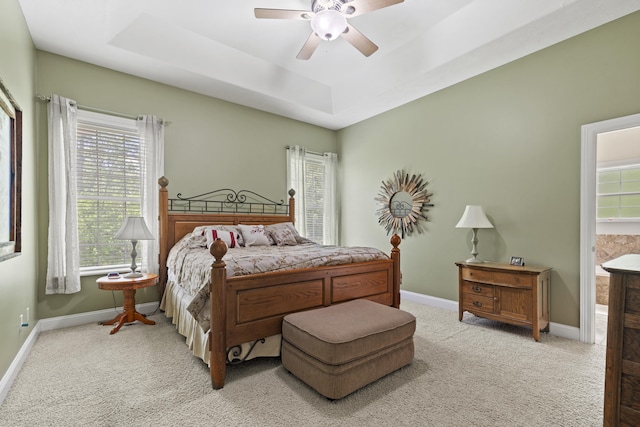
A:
254, 235
231, 238
203, 230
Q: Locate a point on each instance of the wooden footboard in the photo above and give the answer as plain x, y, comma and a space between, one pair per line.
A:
248, 308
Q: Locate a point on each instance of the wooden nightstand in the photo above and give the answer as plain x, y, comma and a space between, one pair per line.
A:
128, 287
507, 293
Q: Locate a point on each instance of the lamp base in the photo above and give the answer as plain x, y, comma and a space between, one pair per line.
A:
133, 275
474, 260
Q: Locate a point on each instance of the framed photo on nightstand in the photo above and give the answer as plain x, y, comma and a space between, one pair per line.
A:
517, 260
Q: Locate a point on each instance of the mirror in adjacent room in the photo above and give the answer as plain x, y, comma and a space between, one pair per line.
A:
402, 203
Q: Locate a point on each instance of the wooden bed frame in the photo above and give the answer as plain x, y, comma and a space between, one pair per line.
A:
249, 308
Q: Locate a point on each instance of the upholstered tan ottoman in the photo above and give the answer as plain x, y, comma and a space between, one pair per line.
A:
338, 349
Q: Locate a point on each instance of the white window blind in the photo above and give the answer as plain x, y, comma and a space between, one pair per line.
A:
618, 193
314, 197
109, 181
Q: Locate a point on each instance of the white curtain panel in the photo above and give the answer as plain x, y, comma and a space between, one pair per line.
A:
63, 260
295, 179
151, 130
330, 216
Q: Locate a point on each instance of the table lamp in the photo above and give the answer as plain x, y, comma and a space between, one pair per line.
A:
474, 218
134, 228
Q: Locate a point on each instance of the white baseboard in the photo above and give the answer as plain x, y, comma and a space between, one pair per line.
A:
90, 317
429, 300
11, 374
557, 329
564, 331
59, 323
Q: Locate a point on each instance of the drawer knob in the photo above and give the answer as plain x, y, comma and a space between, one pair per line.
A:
477, 304
476, 288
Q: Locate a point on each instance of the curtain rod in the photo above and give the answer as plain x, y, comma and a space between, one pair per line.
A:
308, 151
99, 110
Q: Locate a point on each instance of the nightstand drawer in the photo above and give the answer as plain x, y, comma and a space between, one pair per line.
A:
477, 303
477, 289
503, 278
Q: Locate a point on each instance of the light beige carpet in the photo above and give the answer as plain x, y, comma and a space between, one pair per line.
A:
474, 373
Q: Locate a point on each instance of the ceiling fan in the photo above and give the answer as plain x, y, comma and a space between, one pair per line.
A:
329, 21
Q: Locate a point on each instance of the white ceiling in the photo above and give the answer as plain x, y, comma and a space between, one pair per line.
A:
618, 147
218, 48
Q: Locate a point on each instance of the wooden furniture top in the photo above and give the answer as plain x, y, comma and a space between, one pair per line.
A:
625, 264
527, 269
127, 282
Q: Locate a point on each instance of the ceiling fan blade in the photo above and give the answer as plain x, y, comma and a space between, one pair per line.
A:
359, 7
359, 41
309, 46
282, 14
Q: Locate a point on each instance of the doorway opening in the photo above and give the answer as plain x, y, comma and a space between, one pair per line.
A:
602, 239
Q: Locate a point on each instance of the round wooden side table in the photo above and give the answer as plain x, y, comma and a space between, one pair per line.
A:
128, 287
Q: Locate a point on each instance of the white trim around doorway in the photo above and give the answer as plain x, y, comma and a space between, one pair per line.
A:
588, 218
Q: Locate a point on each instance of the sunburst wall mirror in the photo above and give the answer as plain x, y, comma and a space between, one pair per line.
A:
402, 204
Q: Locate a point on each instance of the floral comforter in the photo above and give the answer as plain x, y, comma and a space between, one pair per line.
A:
189, 264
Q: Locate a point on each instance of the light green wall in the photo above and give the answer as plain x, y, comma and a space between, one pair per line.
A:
209, 144
18, 275
509, 140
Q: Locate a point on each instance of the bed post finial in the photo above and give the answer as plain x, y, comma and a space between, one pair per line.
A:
395, 241
218, 249
163, 181
292, 192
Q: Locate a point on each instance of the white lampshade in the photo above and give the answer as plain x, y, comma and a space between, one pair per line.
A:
134, 228
328, 24
474, 217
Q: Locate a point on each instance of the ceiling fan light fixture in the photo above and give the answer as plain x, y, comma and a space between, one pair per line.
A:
328, 24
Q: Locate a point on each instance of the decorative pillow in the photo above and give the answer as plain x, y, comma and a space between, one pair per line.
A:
269, 237
254, 235
231, 238
287, 226
283, 237
203, 230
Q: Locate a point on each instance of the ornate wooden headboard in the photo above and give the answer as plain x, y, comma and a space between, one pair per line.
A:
179, 216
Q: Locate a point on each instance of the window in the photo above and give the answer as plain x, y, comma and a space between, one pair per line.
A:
108, 188
618, 193
314, 197
313, 177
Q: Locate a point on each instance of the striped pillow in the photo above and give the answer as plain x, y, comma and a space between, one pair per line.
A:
229, 237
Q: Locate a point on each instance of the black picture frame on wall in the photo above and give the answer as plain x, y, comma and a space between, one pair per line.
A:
10, 175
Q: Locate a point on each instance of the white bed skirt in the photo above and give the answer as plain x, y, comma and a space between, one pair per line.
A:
175, 302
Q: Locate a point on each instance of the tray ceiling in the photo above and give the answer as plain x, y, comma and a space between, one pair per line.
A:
220, 49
